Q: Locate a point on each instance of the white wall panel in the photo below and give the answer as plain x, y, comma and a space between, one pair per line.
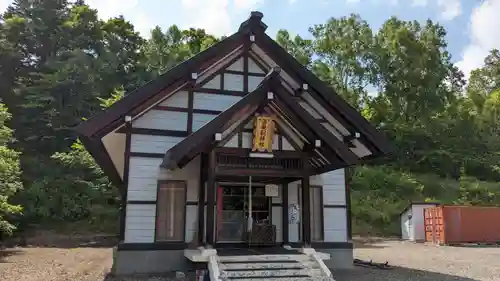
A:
237, 65
179, 99
253, 82
143, 178
212, 84
335, 220
233, 82
162, 120
333, 187
214, 102
253, 67
152, 144
199, 120
140, 223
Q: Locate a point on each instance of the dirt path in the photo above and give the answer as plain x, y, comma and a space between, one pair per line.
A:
415, 262
50, 264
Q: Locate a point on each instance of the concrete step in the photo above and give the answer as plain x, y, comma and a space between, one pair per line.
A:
268, 265
321, 278
272, 273
264, 258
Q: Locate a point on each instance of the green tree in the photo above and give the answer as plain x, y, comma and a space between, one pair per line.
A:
10, 172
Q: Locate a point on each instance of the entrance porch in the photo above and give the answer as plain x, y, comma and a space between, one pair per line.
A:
247, 200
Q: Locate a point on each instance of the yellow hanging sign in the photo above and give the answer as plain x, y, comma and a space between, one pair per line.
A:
263, 134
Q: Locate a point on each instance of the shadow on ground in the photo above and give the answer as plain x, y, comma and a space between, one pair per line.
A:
365, 242
5, 253
475, 245
397, 273
64, 241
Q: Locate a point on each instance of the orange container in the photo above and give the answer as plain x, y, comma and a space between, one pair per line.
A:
462, 224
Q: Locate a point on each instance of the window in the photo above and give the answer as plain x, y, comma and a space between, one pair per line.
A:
171, 211
316, 205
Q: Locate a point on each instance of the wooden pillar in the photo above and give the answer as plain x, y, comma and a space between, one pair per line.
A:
126, 168
211, 201
306, 202
284, 210
201, 198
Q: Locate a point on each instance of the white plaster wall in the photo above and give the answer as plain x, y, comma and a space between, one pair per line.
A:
152, 144
162, 120
179, 99
115, 146
213, 101
200, 120
334, 210
143, 178
233, 82
140, 223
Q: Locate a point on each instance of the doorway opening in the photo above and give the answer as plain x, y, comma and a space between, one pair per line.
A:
235, 205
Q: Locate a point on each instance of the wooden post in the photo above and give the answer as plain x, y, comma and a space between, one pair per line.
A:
211, 201
306, 203
284, 210
126, 168
199, 227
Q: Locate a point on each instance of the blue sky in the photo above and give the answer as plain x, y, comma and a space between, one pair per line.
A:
468, 22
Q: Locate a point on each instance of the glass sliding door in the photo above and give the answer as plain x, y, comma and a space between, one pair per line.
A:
234, 210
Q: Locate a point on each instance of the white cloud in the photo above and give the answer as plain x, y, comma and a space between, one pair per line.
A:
483, 23
130, 9
450, 8
352, 1
214, 15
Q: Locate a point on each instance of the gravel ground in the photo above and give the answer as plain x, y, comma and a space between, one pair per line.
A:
416, 262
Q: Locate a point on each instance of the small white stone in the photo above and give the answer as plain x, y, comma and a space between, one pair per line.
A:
270, 95
305, 87
218, 136
128, 118
194, 75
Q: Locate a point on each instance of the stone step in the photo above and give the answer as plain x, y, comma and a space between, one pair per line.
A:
264, 258
268, 265
272, 273
320, 278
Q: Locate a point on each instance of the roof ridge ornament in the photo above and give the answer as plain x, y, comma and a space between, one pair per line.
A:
254, 22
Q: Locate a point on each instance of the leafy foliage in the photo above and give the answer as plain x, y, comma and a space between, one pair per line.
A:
10, 172
60, 63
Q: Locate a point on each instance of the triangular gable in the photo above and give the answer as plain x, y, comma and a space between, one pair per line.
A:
291, 119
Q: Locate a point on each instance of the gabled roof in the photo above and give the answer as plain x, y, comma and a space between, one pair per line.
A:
179, 77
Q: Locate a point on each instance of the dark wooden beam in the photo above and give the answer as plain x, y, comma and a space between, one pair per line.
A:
201, 197
284, 214
126, 171
306, 206
331, 140
211, 190
219, 92
156, 132
347, 176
